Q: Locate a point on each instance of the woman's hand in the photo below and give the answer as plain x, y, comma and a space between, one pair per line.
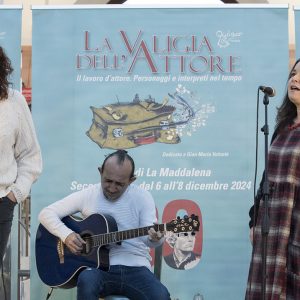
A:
11, 197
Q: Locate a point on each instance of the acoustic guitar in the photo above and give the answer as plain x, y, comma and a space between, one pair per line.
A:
58, 267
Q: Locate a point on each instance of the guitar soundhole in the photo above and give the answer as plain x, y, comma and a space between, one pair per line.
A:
88, 246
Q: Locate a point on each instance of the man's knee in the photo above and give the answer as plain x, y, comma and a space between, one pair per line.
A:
89, 282
165, 295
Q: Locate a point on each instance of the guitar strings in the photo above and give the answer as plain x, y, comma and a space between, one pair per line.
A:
104, 238
117, 236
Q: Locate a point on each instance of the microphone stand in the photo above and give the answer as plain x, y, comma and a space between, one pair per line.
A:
265, 220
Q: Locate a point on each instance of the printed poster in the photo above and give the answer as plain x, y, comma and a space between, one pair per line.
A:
10, 38
177, 87
297, 33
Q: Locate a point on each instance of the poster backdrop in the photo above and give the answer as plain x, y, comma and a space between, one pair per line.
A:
10, 40
176, 87
297, 30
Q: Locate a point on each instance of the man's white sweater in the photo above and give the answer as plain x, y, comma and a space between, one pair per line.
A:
134, 209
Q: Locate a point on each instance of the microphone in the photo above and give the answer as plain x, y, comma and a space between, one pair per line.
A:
268, 90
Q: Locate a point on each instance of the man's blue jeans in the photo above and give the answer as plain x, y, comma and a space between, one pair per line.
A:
136, 283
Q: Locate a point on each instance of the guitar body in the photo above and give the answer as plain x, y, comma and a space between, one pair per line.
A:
57, 265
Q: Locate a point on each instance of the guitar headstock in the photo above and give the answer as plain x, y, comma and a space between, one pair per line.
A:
185, 224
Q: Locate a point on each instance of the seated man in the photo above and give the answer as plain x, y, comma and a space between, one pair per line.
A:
132, 207
183, 256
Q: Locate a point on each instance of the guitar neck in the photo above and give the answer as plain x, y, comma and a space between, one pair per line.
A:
118, 236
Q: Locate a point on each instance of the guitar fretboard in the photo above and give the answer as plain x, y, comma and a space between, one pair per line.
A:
118, 236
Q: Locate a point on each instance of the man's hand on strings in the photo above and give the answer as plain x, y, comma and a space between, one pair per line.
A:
75, 243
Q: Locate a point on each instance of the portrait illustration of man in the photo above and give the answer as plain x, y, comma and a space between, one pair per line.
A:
183, 257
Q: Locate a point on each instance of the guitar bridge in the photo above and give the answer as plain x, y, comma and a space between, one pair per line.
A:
60, 251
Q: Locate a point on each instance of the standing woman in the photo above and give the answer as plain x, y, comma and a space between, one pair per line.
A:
20, 155
283, 240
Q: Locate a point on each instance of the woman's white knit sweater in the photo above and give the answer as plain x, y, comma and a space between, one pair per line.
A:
20, 154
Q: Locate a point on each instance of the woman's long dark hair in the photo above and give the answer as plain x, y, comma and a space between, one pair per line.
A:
287, 112
5, 70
